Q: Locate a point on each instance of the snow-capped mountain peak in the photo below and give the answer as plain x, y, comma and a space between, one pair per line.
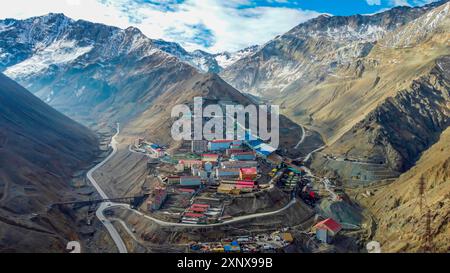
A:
226, 59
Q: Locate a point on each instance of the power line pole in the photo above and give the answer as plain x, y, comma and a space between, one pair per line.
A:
425, 212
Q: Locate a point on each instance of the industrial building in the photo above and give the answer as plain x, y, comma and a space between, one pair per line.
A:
157, 198
229, 172
199, 146
238, 164
222, 144
190, 181
219, 145
230, 151
262, 149
236, 187
243, 156
173, 180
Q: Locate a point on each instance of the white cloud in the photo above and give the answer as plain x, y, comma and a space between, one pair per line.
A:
373, 2
400, 3
232, 28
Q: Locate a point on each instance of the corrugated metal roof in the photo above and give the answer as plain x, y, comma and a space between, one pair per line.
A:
194, 215
329, 224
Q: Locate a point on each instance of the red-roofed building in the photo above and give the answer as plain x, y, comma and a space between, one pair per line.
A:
245, 183
326, 230
248, 173
222, 141
198, 209
184, 190
193, 215
229, 152
200, 205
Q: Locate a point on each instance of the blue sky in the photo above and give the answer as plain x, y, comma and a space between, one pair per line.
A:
210, 25
337, 7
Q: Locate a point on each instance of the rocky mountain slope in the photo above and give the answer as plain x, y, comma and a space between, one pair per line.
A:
40, 150
374, 94
106, 74
226, 59
400, 223
313, 50
204, 61
421, 113
36, 42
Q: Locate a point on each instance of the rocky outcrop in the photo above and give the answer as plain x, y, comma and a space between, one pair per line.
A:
400, 223
313, 50
404, 126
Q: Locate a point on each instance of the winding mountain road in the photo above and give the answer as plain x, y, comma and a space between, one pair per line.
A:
303, 137
99, 213
115, 234
308, 156
231, 221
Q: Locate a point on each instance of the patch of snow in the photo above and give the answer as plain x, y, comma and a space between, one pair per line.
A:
49, 97
4, 27
58, 53
226, 59
80, 92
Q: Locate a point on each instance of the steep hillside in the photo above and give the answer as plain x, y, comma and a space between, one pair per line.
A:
375, 87
155, 122
226, 59
102, 72
398, 106
400, 224
108, 75
313, 50
40, 150
401, 127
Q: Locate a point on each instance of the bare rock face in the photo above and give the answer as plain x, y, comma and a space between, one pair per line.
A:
41, 149
404, 126
376, 87
313, 50
401, 225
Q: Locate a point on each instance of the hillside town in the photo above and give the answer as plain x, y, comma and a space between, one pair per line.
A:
201, 178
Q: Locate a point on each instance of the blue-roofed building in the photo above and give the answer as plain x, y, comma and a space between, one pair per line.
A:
254, 143
261, 148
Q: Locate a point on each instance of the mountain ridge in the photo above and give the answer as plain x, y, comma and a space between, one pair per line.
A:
40, 152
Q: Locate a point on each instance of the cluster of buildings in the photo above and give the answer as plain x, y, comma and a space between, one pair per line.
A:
223, 167
153, 149
199, 213
246, 244
229, 165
